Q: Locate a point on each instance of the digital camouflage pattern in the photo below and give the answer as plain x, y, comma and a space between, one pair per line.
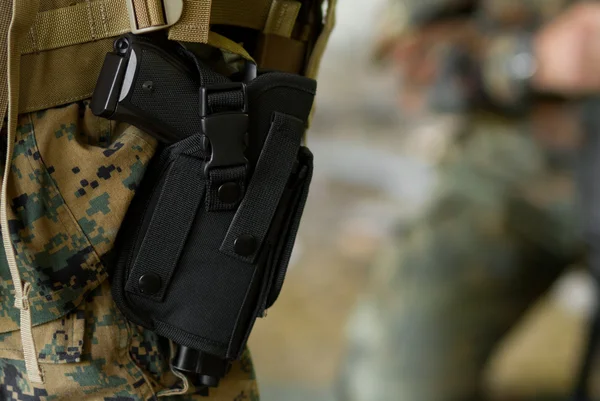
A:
501, 225
93, 353
73, 177
67, 206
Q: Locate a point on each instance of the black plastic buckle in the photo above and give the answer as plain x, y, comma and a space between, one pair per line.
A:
226, 131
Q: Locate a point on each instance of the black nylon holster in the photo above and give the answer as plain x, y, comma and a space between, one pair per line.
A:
205, 245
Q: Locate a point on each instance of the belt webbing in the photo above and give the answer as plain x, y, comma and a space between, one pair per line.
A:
4, 25
149, 13
100, 19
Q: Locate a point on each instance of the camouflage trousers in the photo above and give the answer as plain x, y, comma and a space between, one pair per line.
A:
499, 230
71, 180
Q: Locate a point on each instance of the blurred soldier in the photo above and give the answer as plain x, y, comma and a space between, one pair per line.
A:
503, 223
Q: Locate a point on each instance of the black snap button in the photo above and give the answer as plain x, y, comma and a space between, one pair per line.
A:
245, 245
229, 192
149, 284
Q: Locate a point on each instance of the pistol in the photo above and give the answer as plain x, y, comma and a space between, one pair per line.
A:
151, 86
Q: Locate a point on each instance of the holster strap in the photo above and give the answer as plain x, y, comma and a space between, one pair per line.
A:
276, 49
176, 207
255, 214
280, 53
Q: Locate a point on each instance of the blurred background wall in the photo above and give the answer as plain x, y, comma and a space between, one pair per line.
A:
363, 178
374, 167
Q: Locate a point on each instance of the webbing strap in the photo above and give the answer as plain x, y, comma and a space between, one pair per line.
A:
282, 17
174, 214
93, 20
264, 193
243, 13
312, 69
280, 53
4, 25
194, 24
276, 49
83, 22
149, 13
23, 15
218, 177
223, 43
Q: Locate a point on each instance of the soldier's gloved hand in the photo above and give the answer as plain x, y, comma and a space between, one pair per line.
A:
568, 52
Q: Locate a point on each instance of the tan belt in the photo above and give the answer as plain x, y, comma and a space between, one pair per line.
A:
85, 32
186, 21
5, 18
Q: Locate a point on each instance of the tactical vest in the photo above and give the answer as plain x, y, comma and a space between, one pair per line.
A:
52, 55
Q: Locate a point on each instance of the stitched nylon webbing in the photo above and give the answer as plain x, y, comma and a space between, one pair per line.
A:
4, 25
193, 26
23, 15
181, 194
221, 102
282, 17
256, 211
149, 13
99, 19
312, 69
218, 177
244, 13
83, 22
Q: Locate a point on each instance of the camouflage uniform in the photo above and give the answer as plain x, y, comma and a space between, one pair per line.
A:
500, 228
66, 210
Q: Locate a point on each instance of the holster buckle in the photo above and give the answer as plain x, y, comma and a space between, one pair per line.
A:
227, 131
